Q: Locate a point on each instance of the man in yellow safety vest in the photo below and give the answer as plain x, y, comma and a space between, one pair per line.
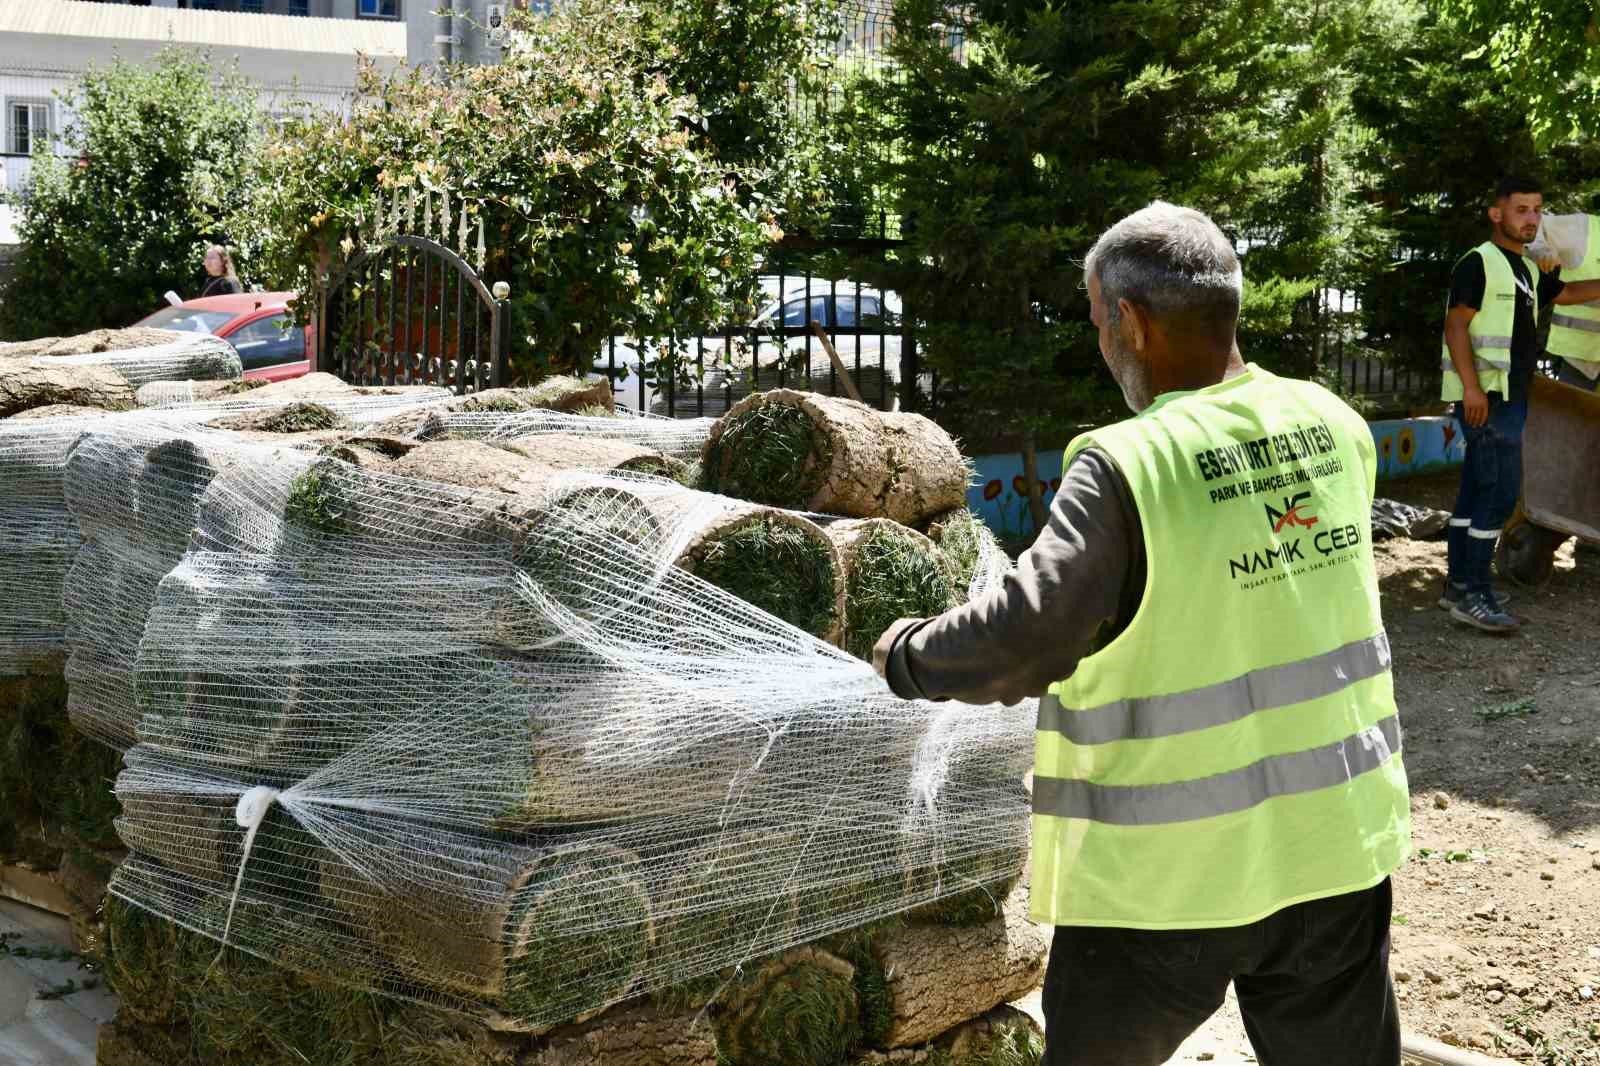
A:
1572, 243
1490, 354
1218, 792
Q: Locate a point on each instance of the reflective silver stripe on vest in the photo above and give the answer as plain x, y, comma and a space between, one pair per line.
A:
1227, 701
1588, 325
1237, 790
1478, 363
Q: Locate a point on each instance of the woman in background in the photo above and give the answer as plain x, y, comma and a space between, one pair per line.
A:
220, 276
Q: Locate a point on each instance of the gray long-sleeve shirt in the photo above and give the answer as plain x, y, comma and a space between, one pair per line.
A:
1072, 593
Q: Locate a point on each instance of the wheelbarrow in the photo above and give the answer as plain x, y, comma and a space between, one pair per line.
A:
1560, 481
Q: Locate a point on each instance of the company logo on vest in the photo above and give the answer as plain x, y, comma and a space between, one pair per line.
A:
1291, 515
1275, 562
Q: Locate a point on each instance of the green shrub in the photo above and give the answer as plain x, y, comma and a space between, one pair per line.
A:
160, 155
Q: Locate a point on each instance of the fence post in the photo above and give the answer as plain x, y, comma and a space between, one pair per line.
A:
910, 364
499, 334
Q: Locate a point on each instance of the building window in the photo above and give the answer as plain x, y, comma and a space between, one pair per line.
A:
380, 9
299, 7
27, 124
253, 6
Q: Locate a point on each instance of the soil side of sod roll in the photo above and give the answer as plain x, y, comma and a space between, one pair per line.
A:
505, 945
829, 455
28, 383
569, 451
937, 977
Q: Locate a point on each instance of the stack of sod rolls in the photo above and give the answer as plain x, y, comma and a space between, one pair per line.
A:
71, 616
103, 369
504, 746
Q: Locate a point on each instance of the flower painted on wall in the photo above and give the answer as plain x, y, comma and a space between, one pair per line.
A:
1019, 485
1408, 445
1055, 484
1449, 435
1386, 448
993, 489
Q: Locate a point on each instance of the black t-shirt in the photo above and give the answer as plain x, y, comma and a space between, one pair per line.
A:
225, 286
1466, 290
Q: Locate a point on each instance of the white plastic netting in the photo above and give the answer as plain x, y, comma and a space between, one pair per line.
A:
679, 438
484, 750
189, 356
40, 538
167, 394
496, 753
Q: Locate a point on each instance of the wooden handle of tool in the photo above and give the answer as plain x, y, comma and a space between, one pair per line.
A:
838, 364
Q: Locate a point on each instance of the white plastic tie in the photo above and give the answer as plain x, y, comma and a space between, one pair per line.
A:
249, 812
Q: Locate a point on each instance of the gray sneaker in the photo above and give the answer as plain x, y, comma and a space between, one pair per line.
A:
1453, 592
1481, 613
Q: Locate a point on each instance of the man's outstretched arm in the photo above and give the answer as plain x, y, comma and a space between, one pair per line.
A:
1578, 292
1069, 595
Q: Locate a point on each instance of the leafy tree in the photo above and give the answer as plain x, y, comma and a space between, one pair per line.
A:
159, 156
1007, 161
1549, 50
627, 178
1438, 124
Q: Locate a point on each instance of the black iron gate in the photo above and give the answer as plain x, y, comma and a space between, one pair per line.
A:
409, 311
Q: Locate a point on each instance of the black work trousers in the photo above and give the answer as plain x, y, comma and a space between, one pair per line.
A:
1312, 981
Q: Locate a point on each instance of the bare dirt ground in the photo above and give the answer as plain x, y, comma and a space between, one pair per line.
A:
1497, 913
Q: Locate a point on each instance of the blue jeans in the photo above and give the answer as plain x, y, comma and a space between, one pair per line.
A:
1491, 482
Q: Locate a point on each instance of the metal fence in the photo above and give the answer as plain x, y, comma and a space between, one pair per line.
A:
1357, 366
785, 344
1348, 360
875, 343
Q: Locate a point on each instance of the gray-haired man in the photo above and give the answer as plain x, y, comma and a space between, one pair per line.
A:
1218, 790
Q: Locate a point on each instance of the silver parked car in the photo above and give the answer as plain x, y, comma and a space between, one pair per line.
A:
775, 349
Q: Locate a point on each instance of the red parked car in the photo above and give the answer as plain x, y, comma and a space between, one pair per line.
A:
257, 324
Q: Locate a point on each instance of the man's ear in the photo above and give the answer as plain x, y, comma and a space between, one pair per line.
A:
1495, 213
1135, 325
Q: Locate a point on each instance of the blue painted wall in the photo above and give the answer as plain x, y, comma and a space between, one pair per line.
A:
1405, 446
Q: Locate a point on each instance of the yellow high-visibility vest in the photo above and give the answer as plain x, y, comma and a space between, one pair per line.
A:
1575, 328
1492, 327
1237, 748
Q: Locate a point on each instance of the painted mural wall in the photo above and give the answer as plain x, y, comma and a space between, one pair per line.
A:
1406, 447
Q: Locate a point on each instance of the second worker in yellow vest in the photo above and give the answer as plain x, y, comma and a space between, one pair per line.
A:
1218, 788
1491, 350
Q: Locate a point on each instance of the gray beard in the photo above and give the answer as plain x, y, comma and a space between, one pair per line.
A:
1128, 373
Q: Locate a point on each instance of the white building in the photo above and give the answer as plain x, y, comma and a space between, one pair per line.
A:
45, 45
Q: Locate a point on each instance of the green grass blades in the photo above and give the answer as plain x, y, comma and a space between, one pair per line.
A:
779, 568
893, 575
772, 454
800, 1010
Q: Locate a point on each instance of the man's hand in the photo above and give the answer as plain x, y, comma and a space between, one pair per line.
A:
1474, 405
1547, 263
